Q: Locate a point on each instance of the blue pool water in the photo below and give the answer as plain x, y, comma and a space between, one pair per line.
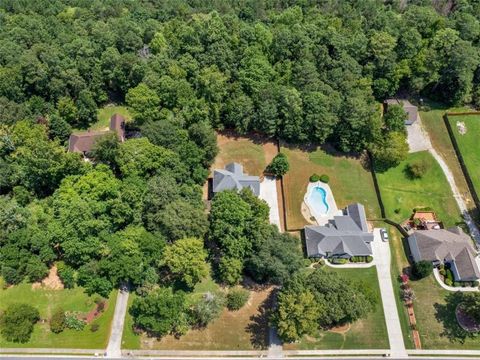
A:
318, 200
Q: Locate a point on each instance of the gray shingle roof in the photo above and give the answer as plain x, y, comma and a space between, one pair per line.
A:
343, 236
233, 178
451, 245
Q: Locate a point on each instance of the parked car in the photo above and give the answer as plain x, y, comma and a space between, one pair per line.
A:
384, 234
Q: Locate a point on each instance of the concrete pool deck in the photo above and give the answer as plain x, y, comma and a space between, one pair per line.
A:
321, 218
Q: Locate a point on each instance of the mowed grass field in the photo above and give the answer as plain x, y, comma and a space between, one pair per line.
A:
246, 329
253, 152
368, 333
469, 144
104, 114
401, 194
47, 301
350, 181
434, 123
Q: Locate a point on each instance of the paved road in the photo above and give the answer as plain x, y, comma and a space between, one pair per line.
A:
418, 140
114, 348
381, 254
268, 192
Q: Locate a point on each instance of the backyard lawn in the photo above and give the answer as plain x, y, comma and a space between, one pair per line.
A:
104, 114
468, 144
47, 301
349, 180
253, 152
434, 123
401, 194
369, 333
245, 329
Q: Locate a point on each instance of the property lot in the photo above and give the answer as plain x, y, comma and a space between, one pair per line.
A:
47, 301
369, 333
350, 181
434, 123
401, 193
245, 329
466, 130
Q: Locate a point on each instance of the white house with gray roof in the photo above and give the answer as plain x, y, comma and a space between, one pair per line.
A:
446, 246
233, 178
344, 236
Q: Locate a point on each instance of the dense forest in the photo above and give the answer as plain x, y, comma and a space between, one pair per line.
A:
302, 71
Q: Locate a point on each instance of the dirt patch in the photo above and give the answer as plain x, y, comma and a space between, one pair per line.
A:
51, 282
465, 321
341, 329
95, 312
461, 127
307, 214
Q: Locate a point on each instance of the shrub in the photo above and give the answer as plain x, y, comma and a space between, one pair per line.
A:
17, 322
94, 327
475, 283
57, 321
448, 282
417, 169
397, 210
237, 298
442, 272
449, 275
457, 284
314, 178
208, 308
369, 259
73, 322
66, 274
339, 261
422, 269
324, 178
279, 165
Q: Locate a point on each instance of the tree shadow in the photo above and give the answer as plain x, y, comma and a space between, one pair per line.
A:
445, 314
258, 327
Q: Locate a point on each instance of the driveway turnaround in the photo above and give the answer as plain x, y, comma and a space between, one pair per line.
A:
115, 342
268, 192
381, 254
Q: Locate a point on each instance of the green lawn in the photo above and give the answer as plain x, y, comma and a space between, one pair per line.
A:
469, 145
435, 321
369, 333
401, 193
47, 301
434, 123
104, 114
350, 181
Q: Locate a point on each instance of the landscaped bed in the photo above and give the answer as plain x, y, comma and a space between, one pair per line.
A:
466, 129
401, 193
369, 333
245, 329
349, 180
47, 301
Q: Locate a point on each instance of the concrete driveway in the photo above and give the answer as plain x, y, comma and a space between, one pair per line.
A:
115, 342
268, 192
381, 254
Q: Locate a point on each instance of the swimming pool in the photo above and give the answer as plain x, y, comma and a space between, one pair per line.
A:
317, 200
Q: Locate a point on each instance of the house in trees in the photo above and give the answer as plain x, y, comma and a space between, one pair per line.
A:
233, 178
82, 142
410, 109
344, 236
449, 247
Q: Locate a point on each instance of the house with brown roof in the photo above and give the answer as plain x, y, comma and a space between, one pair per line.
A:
82, 142
409, 108
446, 246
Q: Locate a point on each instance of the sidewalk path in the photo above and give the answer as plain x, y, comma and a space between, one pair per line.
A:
115, 341
351, 265
418, 140
436, 273
381, 254
268, 192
